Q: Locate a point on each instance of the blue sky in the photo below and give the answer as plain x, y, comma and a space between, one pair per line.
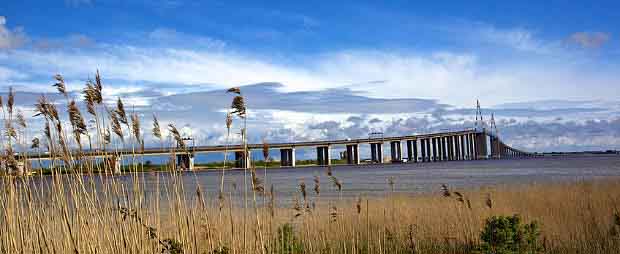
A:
350, 67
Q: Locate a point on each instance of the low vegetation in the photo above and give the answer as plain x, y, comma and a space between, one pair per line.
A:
82, 207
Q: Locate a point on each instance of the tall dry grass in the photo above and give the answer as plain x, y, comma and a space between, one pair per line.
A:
83, 208
62, 216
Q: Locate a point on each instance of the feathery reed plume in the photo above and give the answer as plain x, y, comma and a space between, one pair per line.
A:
41, 107
358, 205
236, 90
176, 135
11, 162
265, 150
302, 189
459, 197
1, 103
272, 197
11, 101
317, 185
257, 183
98, 86
391, 183
297, 207
333, 214
445, 191
21, 121
228, 121
77, 122
489, 201
156, 128
116, 125
238, 106
135, 126
107, 137
35, 143
47, 131
329, 171
92, 97
60, 85
337, 183
9, 130
120, 111
76, 119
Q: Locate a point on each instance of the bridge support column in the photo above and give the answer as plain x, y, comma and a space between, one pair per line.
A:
457, 146
287, 157
470, 147
480, 146
450, 144
444, 148
240, 161
429, 149
494, 148
412, 150
423, 149
353, 154
395, 149
435, 157
322, 156
114, 162
439, 150
462, 147
376, 152
185, 161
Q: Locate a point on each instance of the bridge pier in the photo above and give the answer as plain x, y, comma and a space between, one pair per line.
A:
240, 161
185, 161
434, 157
480, 146
353, 154
113, 162
395, 149
443, 148
287, 157
463, 151
412, 150
322, 156
449, 147
470, 147
423, 149
494, 147
439, 152
457, 148
376, 152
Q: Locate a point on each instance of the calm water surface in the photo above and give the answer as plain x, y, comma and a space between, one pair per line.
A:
410, 178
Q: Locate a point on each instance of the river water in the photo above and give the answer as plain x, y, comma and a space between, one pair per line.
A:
408, 178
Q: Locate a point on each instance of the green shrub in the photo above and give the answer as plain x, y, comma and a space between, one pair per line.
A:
508, 235
171, 246
287, 242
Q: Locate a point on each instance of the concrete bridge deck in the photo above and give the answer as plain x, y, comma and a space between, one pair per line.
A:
468, 144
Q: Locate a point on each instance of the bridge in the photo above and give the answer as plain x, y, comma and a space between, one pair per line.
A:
468, 144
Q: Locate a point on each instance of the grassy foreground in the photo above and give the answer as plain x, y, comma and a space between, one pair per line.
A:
68, 216
83, 208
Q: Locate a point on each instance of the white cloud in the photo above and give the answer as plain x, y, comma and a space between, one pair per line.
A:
590, 39
518, 38
10, 38
451, 77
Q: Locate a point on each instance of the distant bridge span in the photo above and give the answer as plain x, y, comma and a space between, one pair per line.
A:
441, 146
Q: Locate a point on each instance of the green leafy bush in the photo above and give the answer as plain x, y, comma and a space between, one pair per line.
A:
508, 235
287, 242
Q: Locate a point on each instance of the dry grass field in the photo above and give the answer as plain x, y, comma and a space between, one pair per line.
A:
62, 218
83, 208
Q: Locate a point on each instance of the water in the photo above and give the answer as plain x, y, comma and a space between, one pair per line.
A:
411, 178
